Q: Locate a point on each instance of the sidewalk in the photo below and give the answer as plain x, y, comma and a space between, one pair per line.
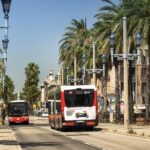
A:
134, 130
7, 139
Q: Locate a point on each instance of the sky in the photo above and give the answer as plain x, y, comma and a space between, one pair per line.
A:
35, 29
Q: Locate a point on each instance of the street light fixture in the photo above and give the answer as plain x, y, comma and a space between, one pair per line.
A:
112, 39
138, 39
125, 55
112, 44
5, 44
84, 58
68, 72
103, 57
6, 6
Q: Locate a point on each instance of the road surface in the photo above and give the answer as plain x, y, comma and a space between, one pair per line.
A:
38, 135
32, 137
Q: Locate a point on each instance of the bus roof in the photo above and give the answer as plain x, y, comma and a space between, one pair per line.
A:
17, 101
69, 87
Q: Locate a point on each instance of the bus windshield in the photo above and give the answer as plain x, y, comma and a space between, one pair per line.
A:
79, 97
17, 109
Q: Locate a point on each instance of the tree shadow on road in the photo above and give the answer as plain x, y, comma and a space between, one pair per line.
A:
8, 142
37, 144
41, 124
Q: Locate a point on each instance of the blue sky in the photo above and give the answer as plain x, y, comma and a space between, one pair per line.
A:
35, 28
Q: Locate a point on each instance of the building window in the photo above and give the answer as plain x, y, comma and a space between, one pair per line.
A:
144, 71
143, 60
143, 88
143, 100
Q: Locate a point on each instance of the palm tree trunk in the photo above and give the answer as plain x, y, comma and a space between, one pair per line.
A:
148, 98
117, 105
131, 92
148, 94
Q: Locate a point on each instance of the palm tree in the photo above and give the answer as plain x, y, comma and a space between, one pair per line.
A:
110, 18
8, 89
2, 74
74, 42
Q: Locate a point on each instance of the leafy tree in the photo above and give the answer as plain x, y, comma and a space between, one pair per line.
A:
7, 89
30, 90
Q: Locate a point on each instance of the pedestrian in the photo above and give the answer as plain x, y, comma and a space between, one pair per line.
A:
3, 113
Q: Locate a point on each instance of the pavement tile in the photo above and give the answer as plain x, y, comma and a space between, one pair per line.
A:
134, 130
7, 139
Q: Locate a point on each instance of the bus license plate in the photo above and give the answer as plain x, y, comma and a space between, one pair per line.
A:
79, 121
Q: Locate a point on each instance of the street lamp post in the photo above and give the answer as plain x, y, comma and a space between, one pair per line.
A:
126, 72
94, 70
6, 9
125, 56
83, 68
98, 71
75, 70
62, 76
70, 79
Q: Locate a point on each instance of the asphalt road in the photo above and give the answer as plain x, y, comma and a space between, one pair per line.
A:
32, 137
38, 135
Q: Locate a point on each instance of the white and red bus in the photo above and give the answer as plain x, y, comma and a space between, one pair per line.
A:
73, 106
18, 112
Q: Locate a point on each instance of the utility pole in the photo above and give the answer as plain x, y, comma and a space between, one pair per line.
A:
75, 70
94, 72
62, 76
125, 63
83, 75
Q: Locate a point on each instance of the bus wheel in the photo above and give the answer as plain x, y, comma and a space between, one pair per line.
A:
63, 129
27, 122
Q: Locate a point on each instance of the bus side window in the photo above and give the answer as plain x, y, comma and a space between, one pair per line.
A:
48, 104
54, 112
58, 107
51, 107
